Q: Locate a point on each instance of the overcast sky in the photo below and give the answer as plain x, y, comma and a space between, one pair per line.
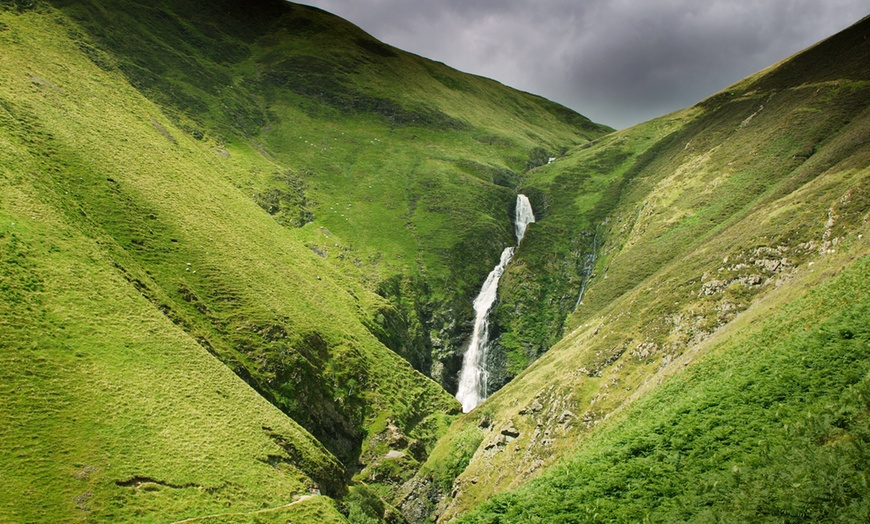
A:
619, 62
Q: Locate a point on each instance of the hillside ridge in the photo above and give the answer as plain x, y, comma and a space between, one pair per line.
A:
239, 246
708, 211
176, 193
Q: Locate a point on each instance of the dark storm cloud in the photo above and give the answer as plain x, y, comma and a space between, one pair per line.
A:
618, 62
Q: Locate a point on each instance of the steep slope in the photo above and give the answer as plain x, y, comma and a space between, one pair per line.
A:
769, 425
403, 169
111, 411
700, 219
115, 406
581, 193
180, 188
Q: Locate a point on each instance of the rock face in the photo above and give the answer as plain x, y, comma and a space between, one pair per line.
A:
507, 434
509, 431
534, 407
425, 502
391, 458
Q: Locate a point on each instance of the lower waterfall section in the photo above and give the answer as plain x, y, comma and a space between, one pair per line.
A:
472, 376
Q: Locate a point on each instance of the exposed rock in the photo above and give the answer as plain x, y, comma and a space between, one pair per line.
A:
566, 417
422, 499
606, 357
394, 437
534, 465
644, 350
499, 441
534, 407
589, 418
84, 473
771, 265
510, 431
712, 287
751, 280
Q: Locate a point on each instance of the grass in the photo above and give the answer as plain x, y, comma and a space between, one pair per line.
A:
177, 187
108, 422
236, 241
403, 158
573, 198
770, 425
701, 214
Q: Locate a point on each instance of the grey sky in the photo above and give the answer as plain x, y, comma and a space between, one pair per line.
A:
619, 62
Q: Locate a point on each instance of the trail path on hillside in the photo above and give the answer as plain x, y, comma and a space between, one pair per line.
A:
243, 513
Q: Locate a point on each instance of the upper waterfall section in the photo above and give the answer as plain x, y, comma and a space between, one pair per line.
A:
524, 217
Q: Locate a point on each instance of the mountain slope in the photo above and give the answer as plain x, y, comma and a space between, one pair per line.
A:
580, 194
237, 242
701, 216
161, 213
111, 410
770, 424
407, 162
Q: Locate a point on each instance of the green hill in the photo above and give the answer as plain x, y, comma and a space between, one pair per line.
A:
689, 234
239, 245
394, 165
188, 183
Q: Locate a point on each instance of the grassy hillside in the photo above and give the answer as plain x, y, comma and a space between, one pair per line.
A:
111, 411
400, 168
265, 187
574, 199
770, 425
740, 142
699, 218
237, 243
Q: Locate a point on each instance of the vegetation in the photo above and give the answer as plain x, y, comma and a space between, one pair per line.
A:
770, 426
237, 244
704, 214
179, 185
573, 199
405, 159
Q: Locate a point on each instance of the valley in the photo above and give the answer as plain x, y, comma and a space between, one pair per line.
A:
240, 249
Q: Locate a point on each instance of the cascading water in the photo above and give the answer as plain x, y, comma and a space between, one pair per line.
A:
472, 377
524, 217
588, 266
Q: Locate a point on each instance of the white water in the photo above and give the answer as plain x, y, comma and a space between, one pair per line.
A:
524, 217
472, 377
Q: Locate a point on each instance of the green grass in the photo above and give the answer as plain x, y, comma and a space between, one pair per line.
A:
113, 412
236, 240
402, 158
573, 198
315, 509
193, 174
698, 217
770, 426
686, 175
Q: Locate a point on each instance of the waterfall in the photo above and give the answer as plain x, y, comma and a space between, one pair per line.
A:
588, 267
524, 217
472, 377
